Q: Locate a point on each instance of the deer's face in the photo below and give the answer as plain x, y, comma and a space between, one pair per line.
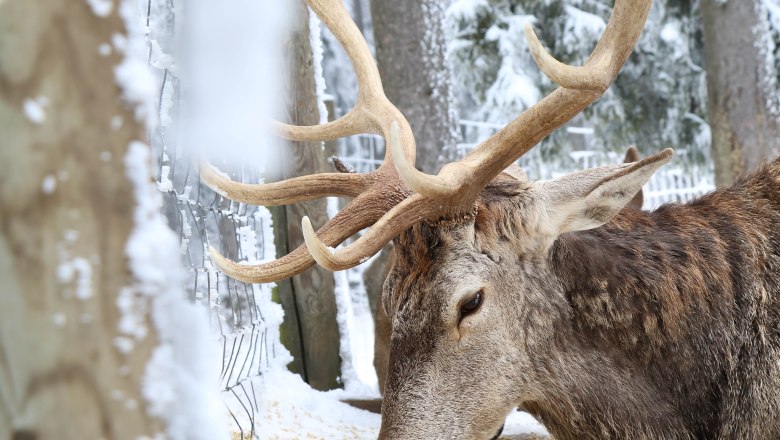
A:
474, 302
460, 298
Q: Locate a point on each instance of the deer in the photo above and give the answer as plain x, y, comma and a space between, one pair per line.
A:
601, 322
375, 275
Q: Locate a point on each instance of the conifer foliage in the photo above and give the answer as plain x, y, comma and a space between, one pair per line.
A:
498, 77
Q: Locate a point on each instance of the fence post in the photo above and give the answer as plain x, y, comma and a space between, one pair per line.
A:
312, 292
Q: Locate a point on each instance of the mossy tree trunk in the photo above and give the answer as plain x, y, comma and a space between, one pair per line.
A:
308, 299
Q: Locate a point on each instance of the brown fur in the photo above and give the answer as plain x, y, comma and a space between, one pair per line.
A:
374, 276
657, 325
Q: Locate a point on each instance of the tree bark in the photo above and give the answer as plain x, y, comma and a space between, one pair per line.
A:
743, 104
312, 291
357, 12
67, 212
411, 52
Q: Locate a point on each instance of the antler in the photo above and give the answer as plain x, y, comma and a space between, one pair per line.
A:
383, 198
375, 193
580, 86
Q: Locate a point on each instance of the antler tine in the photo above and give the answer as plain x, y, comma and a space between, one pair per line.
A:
338, 20
354, 122
460, 182
608, 57
373, 112
632, 154
409, 212
293, 190
588, 78
358, 215
289, 265
375, 193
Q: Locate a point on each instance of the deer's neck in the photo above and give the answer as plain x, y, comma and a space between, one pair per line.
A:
588, 394
665, 308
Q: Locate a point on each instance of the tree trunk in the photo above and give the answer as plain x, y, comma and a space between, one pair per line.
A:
357, 13
67, 212
412, 55
743, 105
312, 291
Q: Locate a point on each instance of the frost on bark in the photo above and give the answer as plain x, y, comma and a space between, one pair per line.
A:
412, 55
310, 330
66, 214
743, 104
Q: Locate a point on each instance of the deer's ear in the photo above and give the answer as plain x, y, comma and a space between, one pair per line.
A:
515, 171
588, 199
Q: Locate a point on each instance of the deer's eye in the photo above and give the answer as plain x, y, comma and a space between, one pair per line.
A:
471, 306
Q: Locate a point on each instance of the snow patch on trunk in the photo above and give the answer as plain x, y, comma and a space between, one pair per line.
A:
101, 8
180, 380
315, 32
35, 109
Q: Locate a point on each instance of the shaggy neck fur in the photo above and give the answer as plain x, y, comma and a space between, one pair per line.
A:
672, 322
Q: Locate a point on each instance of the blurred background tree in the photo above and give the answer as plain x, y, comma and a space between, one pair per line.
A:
411, 50
742, 84
497, 77
660, 99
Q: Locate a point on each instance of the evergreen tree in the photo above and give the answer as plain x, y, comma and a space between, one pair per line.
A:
658, 100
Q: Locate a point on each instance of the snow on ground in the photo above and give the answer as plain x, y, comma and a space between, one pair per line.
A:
290, 409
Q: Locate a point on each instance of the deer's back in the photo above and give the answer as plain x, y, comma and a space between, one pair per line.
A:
690, 295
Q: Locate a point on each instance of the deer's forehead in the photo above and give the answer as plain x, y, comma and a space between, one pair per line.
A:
416, 295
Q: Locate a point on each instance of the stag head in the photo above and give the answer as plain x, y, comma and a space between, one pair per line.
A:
477, 306
473, 294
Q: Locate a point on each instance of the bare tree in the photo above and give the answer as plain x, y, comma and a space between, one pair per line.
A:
743, 104
412, 57
67, 212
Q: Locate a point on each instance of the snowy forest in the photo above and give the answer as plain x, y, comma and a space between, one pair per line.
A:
162, 277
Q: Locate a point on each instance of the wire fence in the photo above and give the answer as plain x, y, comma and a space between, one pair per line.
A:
242, 316
203, 218
680, 182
